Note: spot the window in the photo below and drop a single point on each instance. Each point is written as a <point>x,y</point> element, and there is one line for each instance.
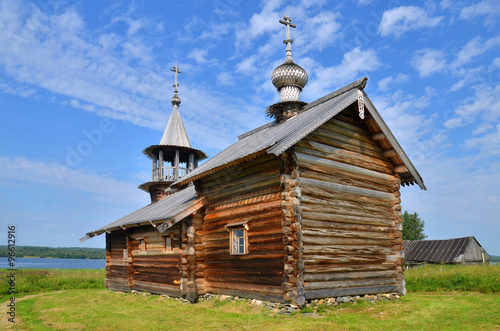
<point>125,255</point>
<point>238,241</point>
<point>142,245</point>
<point>168,243</point>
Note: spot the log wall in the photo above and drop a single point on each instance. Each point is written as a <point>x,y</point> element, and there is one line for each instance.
<point>155,269</point>
<point>116,266</point>
<point>351,213</point>
<point>244,193</point>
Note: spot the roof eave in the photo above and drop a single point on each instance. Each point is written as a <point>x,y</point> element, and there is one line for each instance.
<point>397,147</point>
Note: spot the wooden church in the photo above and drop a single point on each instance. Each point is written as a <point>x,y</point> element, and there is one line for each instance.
<point>304,207</point>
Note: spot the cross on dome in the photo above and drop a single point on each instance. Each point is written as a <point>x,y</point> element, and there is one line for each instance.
<point>175,99</point>
<point>288,22</point>
<point>177,71</point>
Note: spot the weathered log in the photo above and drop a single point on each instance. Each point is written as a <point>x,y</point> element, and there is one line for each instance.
<point>255,288</point>
<point>336,276</point>
<point>325,194</point>
<point>312,259</point>
<point>306,215</point>
<point>315,294</point>
<point>340,155</point>
<point>331,233</point>
<point>248,209</point>
<point>348,250</point>
<point>347,207</point>
<point>314,240</point>
<point>314,183</point>
<point>340,268</point>
<point>245,279</point>
<point>349,284</point>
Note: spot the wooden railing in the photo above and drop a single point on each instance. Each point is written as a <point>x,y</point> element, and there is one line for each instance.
<point>168,174</point>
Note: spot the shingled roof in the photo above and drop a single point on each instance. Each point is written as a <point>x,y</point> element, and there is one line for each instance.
<point>275,138</point>
<point>175,133</point>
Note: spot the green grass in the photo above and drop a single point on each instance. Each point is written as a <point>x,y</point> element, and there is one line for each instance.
<point>479,278</point>
<point>30,281</point>
<point>105,310</point>
<point>440,298</point>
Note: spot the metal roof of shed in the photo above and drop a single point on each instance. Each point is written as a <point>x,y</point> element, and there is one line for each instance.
<point>437,251</point>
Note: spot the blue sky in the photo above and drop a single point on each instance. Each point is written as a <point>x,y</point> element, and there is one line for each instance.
<point>85,86</point>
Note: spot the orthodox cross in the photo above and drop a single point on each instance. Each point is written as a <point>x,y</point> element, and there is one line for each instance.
<point>177,71</point>
<point>288,22</point>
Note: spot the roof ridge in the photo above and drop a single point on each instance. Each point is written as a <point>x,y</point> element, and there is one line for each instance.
<point>359,84</point>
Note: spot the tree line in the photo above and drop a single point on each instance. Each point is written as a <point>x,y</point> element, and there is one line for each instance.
<point>56,252</point>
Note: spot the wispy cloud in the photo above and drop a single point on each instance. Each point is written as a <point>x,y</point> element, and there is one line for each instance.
<point>486,8</point>
<point>399,20</point>
<point>484,104</point>
<point>355,63</point>
<point>54,175</point>
<point>389,81</point>
<point>429,61</point>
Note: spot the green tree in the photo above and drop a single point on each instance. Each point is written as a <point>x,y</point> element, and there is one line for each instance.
<point>413,227</point>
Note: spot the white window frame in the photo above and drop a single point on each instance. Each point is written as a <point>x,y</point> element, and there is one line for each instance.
<point>232,228</point>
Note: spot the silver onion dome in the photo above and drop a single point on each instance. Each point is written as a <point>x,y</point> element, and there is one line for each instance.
<point>289,74</point>
<point>289,78</point>
<point>175,100</point>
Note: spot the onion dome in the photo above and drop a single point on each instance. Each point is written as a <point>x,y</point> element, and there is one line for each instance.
<point>289,78</point>
<point>175,100</point>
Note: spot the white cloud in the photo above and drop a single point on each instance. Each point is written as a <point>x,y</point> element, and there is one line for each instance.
<point>487,8</point>
<point>260,23</point>
<point>22,91</point>
<point>416,132</point>
<point>52,51</point>
<point>355,64</point>
<point>488,144</point>
<point>484,104</point>
<point>199,55</point>
<point>467,77</point>
<point>364,2</point>
<point>429,61</point>
<point>473,49</point>
<point>385,83</point>
<point>58,176</point>
<point>224,79</point>
<point>405,18</point>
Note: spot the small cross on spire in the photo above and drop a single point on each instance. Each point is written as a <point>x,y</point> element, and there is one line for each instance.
<point>177,71</point>
<point>288,22</point>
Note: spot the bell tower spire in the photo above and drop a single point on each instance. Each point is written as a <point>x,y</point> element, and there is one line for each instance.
<point>174,149</point>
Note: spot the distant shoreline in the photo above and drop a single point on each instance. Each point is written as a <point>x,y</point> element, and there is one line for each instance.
<point>43,252</point>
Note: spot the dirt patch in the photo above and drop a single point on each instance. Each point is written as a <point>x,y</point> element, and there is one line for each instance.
<point>4,309</point>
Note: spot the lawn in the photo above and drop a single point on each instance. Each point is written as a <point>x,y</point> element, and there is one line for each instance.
<point>439,298</point>
<point>105,310</point>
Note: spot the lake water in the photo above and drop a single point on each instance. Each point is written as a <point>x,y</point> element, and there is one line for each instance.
<point>38,263</point>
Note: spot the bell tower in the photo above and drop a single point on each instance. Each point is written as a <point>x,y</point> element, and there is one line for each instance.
<point>174,157</point>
